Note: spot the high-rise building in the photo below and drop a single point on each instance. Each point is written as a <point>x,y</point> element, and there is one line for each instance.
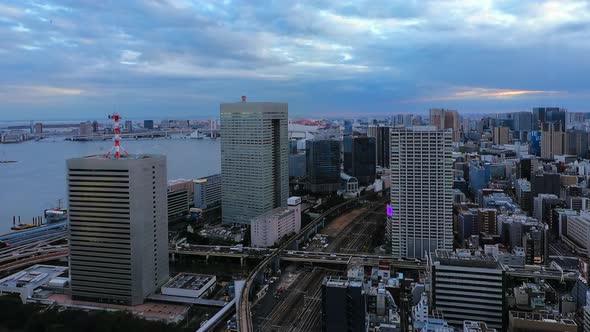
<point>85,128</point>
<point>344,305</point>
<point>359,158</point>
<point>446,119</point>
<point>38,128</point>
<point>576,143</point>
<point>552,140</point>
<point>148,124</point>
<point>501,135</point>
<point>421,191</point>
<point>118,227</point>
<point>542,115</point>
<point>382,140</point>
<point>254,159</point>
<point>347,127</point>
<point>467,285</point>
<point>323,165</point>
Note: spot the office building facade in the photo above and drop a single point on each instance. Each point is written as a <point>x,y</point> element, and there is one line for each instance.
<point>359,158</point>
<point>382,140</point>
<point>118,227</point>
<point>323,165</point>
<point>421,191</point>
<point>467,285</point>
<point>207,191</point>
<point>344,305</point>
<point>552,140</point>
<point>254,159</point>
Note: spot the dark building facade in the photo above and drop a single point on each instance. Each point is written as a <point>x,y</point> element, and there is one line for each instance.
<point>545,183</point>
<point>323,165</point>
<point>359,158</point>
<point>543,115</point>
<point>576,143</point>
<point>148,124</point>
<point>344,305</point>
<point>382,141</point>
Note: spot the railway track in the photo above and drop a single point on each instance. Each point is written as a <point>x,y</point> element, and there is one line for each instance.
<point>296,311</point>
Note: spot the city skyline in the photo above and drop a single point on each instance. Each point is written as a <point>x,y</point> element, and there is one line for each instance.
<point>181,58</point>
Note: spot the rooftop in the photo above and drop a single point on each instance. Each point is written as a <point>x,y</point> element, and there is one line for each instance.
<point>189,281</point>
<point>465,257</point>
<point>124,156</point>
<point>33,276</point>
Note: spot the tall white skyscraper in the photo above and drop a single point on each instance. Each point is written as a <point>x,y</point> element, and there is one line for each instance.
<point>254,159</point>
<point>118,227</point>
<point>421,217</point>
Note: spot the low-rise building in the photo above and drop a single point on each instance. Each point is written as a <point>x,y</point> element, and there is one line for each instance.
<point>189,285</point>
<point>269,228</point>
<point>26,281</point>
<point>524,321</point>
<point>208,191</point>
<point>180,199</point>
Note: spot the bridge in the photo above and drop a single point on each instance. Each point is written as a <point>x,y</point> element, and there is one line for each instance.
<point>33,246</point>
<point>295,256</point>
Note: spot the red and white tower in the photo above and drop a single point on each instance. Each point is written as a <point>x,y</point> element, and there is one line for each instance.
<point>117,138</point>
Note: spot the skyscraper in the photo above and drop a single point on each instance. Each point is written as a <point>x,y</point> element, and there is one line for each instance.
<point>542,115</point>
<point>323,165</point>
<point>421,191</point>
<point>118,227</point>
<point>552,140</point>
<point>446,119</point>
<point>359,158</point>
<point>382,140</point>
<point>254,159</point>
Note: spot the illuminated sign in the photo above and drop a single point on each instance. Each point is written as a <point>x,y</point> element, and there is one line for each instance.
<point>389,211</point>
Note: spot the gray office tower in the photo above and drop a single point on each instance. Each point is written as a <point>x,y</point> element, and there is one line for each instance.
<point>323,165</point>
<point>254,159</point>
<point>382,141</point>
<point>118,227</point>
<point>421,218</point>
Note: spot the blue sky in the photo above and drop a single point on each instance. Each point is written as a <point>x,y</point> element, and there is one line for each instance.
<point>181,58</point>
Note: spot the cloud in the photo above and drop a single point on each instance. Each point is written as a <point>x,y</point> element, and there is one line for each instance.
<point>474,93</point>
<point>321,56</point>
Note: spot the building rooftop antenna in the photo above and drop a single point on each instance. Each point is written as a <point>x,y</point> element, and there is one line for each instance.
<point>117,138</point>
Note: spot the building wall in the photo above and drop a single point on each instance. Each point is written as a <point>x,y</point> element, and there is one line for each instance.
<point>382,144</point>
<point>323,165</point>
<point>118,228</point>
<point>267,229</point>
<point>468,293</point>
<point>254,159</point>
<point>421,191</point>
<point>207,191</point>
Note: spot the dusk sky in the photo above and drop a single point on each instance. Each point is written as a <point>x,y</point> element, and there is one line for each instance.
<point>76,59</point>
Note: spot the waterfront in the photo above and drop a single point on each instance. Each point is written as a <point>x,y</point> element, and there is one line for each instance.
<point>38,179</point>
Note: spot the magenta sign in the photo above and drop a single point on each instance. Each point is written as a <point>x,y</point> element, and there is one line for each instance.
<point>389,211</point>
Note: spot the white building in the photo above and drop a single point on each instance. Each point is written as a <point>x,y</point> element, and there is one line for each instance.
<point>268,228</point>
<point>26,281</point>
<point>189,285</point>
<point>421,191</point>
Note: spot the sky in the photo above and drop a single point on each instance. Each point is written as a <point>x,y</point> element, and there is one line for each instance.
<point>77,59</point>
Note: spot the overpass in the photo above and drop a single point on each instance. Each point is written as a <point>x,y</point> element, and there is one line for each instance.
<point>33,246</point>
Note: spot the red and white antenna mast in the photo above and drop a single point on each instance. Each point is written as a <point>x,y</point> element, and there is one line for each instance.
<point>117,138</point>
